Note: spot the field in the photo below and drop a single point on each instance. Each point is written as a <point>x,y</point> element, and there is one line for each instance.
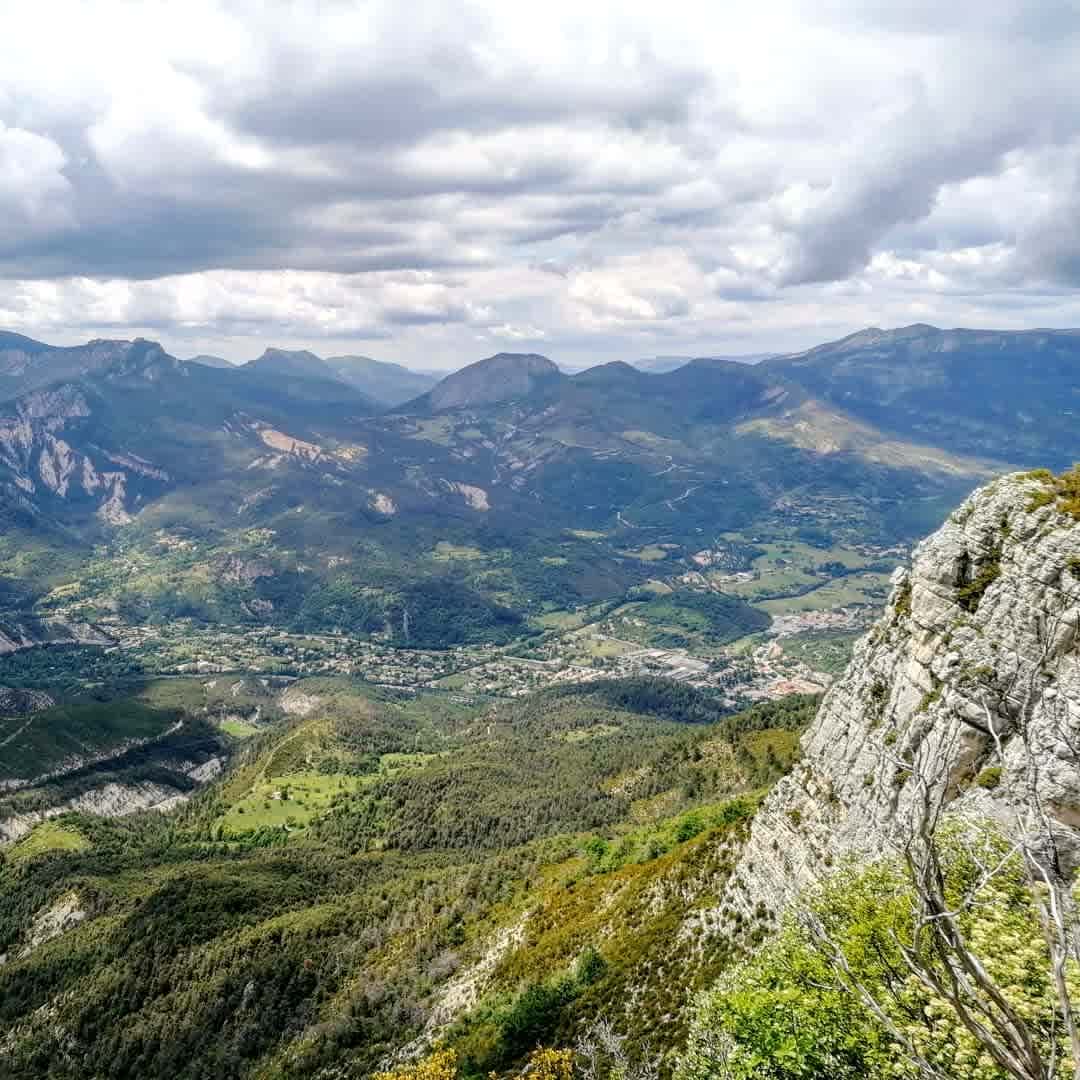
<point>648,553</point>
<point>827,651</point>
<point>860,588</point>
<point>238,729</point>
<point>50,837</point>
<point>290,801</point>
<point>447,552</point>
<point>786,567</point>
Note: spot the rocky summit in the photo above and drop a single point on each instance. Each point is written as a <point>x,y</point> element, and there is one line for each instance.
<point>498,378</point>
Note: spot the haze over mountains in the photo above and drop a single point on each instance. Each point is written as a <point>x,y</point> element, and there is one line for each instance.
<point>905,398</point>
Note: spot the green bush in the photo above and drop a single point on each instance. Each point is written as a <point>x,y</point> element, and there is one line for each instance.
<point>784,1014</point>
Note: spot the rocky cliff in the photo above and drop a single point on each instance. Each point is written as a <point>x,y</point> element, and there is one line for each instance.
<point>47,452</point>
<point>981,635</point>
<point>28,632</point>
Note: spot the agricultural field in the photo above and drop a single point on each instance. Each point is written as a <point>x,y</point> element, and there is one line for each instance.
<point>827,651</point>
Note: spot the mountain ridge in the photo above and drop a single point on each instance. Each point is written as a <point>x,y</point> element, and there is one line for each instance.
<point>1013,395</point>
<point>575,487</point>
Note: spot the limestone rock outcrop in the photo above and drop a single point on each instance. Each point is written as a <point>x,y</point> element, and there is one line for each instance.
<point>980,636</point>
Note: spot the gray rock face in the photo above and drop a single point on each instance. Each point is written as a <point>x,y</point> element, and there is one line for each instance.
<point>982,634</point>
<point>109,800</point>
<point>40,461</point>
<point>29,633</point>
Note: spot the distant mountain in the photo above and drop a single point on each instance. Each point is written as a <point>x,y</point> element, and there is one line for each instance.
<point>133,423</point>
<point>277,492</point>
<point>615,373</point>
<point>26,364</point>
<point>1013,395</point>
<point>389,384</point>
<point>211,361</point>
<point>499,378</point>
<point>12,343</point>
<point>658,365</point>
<point>298,363</point>
<point>386,385</point>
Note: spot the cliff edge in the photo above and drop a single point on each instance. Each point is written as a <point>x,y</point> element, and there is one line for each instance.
<point>981,637</point>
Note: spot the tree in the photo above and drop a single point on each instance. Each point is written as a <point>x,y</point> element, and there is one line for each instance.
<point>602,1053</point>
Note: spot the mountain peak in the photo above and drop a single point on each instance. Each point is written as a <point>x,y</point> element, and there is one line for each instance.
<point>275,356</point>
<point>10,340</point>
<point>211,361</point>
<point>295,363</point>
<point>527,359</point>
<point>616,371</point>
<point>496,378</point>
<point>141,356</point>
<point>875,335</point>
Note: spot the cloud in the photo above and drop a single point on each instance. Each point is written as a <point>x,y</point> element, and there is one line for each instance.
<point>33,189</point>
<point>443,175</point>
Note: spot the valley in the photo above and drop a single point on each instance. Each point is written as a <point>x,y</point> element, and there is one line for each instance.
<point>337,732</point>
<point>698,624</point>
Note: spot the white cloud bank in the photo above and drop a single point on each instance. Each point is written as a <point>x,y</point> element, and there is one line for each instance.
<point>432,181</point>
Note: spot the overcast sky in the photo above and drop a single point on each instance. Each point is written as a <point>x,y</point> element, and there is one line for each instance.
<point>433,182</point>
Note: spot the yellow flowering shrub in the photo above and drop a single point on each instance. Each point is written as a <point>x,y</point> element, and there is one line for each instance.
<point>550,1064</point>
<point>545,1063</point>
<point>442,1065</point>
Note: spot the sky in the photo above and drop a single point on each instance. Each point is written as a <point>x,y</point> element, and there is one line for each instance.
<point>430,183</point>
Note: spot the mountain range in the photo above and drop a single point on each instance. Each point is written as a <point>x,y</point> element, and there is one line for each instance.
<point>333,732</point>
<point>571,487</point>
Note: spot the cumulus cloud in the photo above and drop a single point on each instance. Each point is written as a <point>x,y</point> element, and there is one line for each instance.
<point>33,188</point>
<point>444,177</point>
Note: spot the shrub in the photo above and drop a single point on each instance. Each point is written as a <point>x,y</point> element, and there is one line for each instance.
<point>441,1065</point>
<point>783,1014</point>
<point>532,1015</point>
<point>902,604</point>
<point>549,1064</point>
<point>1064,490</point>
<point>971,593</point>
<point>590,967</point>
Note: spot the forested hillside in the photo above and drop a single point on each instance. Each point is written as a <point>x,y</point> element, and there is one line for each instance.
<point>376,871</point>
